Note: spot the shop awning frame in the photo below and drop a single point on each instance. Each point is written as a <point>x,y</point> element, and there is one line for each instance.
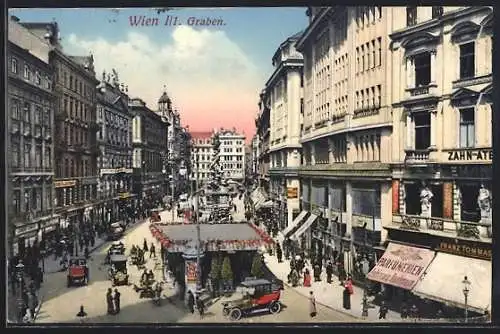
<point>294,223</point>
<point>443,281</point>
<point>301,230</point>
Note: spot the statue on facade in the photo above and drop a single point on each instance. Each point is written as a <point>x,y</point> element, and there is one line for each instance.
<point>426,196</point>
<point>484,202</point>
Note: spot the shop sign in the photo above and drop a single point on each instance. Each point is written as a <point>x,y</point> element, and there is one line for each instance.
<point>190,272</point>
<point>124,170</point>
<point>26,229</point>
<point>471,155</point>
<point>89,180</point>
<point>108,171</point>
<point>292,192</point>
<point>465,250</point>
<point>65,184</point>
<point>124,195</point>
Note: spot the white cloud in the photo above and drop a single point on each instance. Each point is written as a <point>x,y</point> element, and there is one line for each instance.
<point>204,71</point>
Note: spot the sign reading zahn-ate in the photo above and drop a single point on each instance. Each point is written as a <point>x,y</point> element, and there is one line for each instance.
<point>401,266</point>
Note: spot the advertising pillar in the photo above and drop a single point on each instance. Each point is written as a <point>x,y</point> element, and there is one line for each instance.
<point>190,271</point>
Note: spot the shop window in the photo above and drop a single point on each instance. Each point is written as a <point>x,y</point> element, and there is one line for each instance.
<point>469,210</point>
<point>366,201</point>
<point>412,199</point>
<point>411,16</point>
<point>467,128</point>
<point>467,63</point>
<point>422,123</point>
<point>437,201</point>
<point>422,69</point>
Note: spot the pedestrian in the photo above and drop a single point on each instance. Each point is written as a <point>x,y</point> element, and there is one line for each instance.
<point>82,314</point>
<point>382,312</point>
<point>109,301</point>
<point>145,245</point>
<point>317,272</point>
<point>200,306</point>
<point>414,312</point>
<point>329,272</point>
<point>87,252</point>
<point>32,302</point>
<point>404,310</point>
<point>312,305</point>
<point>307,278</point>
<point>116,299</point>
<point>347,295</point>
<point>190,302</point>
<point>279,253</point>
<point>152,251</point>
<point>28,316</point>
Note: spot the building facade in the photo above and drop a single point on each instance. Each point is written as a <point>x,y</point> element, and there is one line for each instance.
<point>202,156</point>
<point>263,131</point>
<point>232,154</point>
<point>255,154</point>
<point>30,124</point>
<point>285,94</point>
<point>149,143</point>
<point>114,137</point>
<point>76,149</point>
<point>442,142</point>
<point>345,174</point>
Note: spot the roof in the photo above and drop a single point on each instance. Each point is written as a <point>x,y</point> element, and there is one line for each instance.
<point>201,135</point>
<point>118,258</point>
<point>210,232</point>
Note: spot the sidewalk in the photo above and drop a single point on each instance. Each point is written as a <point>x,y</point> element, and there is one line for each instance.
<point>329,295</point>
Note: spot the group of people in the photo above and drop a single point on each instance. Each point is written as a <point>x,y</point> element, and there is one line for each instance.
<point>113,301</point>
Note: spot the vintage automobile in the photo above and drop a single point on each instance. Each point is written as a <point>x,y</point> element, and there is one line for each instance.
<point>115,231</point>
<point>145,289</point>
<point>117,248</point>
<point>118,269</point>
<point>78,271</point>
<point>255,295</point>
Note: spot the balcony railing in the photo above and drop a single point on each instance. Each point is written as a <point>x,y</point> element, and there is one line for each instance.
<point>417,155</point>
<point>32,169</point>
<point>443,226</point>
<point>421,91</point>
<point>365,112</point>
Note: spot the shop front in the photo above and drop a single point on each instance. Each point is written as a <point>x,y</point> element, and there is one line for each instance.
<point>24,236</point>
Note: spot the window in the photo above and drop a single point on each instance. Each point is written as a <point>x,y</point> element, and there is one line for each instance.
<point>379,94</point>
<point>437,11</point>
<point>379,42</point>
<point>362,58</point>
<point>27,155</point>
<point>71,82</point>
<point>27,112</point>
<point>15,110</point>
<point>47,160</point>
<point>27,73</point>
<point>411,16</point>
<point>379,11</point>
<point>467,133</point>
<point>422,130</point>
<point>13,65</point>
<point>38,78</point>
<point>16,201</point>
<point>38,115</point>
<point>374,52</point>
<point>46,118</point>
<point>38,156</point>
<point>14,149</point>
<point>467,60</point>
<point>422,69</point>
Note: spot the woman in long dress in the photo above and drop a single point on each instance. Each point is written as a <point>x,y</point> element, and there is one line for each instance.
<point>312,305</point>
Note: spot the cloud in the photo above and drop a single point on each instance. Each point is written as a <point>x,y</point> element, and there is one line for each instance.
<point>210,79</point>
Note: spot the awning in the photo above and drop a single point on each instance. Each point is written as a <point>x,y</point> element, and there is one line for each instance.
<point>401,266</point>
<point>443,281</point>
<point>294,224</point>
<point>304,227</point>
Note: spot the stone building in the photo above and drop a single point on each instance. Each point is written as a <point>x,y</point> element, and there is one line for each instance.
<point>115,187</point>
<point>442,146</point>
<point>346,134</point>
<point>30,135</point>
<point>262,124</point>
<point>232,154</point>
<point>202,156</point>
<point>149,142</point>
<point>285,95</point>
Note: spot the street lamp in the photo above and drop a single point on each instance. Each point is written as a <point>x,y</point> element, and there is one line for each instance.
<point>20,299</point>
<point>466,291</point>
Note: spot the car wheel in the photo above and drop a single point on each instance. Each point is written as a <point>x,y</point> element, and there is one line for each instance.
<point>235,314</point>
<point>225,311</point>
<point>275,307</point>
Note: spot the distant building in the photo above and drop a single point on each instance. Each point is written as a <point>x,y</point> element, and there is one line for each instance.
<point>232,154</point>
<point>201,156</point>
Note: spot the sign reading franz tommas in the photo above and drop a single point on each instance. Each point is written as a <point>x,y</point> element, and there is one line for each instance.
<point>471,155</point>
<point>465,250</point>
<point>401,266</point>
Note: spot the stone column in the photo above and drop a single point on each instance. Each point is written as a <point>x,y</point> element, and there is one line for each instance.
<point>409,131</point>
<point>331,157</point>
<point>433,66</point>
<point>410,73</point>
<point>313,154</point>
<point>348,261</point>
<point>376,147</point>
<point>433,128</point>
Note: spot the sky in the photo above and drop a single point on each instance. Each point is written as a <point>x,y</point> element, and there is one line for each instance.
<point>213,74</point>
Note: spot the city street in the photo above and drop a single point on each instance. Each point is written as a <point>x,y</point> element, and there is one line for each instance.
<point>61,304</point>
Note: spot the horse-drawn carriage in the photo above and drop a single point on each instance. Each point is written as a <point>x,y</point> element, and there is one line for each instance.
<point>118,269</point>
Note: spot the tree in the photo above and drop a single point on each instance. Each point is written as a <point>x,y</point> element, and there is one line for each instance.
<point>226,272</point>
<point>215,270</point>
<point>257,267</point>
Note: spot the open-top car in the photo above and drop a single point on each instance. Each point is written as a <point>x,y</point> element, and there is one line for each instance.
<point>255,295</point>
<point>117,248</point>
<point>78,271</point>
<point>118,269</point>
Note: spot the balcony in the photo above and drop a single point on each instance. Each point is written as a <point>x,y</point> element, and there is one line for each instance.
<point>417,156</point>
<point>465,82</point>
<point>421,92</point>
<point>15,126</point>
<point>444,227</point>
<point>365,112</point>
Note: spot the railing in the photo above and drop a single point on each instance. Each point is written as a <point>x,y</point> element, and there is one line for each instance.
<point>337,118</point>
<point>417,155</point>
<point>365,112</point>
<point>32,169</point>
<point>461,229</point>
<point>429,89</point>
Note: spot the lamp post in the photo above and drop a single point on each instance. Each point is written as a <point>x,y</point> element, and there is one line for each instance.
<point>466,291</point>
<point>198,229</point>
<point>20,298</point>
